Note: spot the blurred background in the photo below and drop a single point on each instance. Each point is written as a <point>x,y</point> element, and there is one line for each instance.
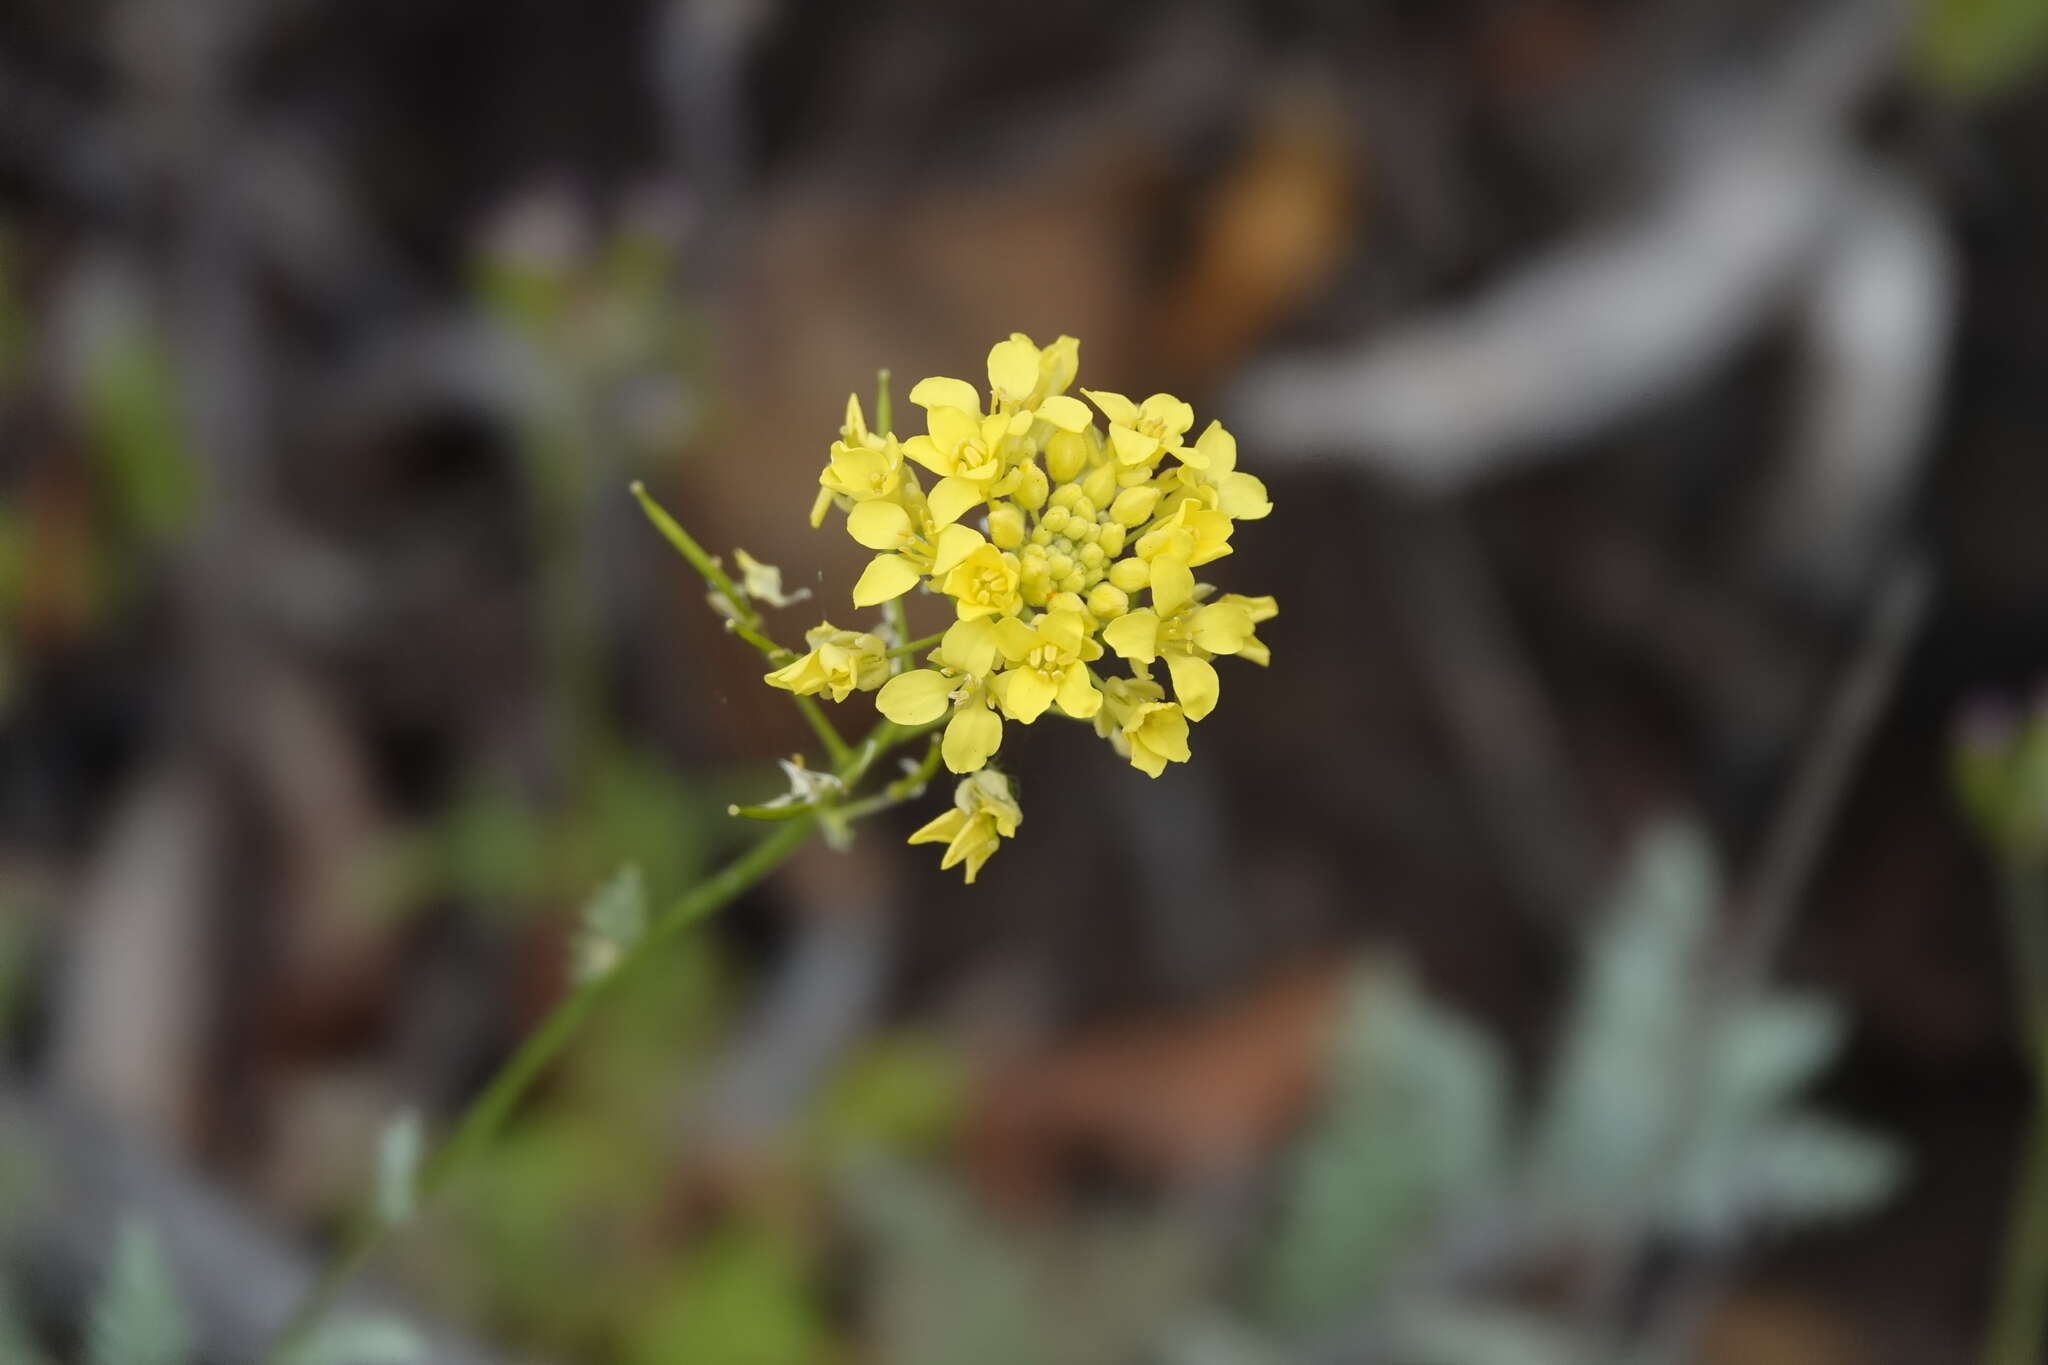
<point>1573,948</point>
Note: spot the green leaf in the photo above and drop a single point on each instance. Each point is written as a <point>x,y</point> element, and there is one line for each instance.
<point>1797,1169</point>
<point>745,1298</point>
<point>896,1093</point>
<point>136,1319</point>
<point>1415,1121</point>
<point>360,1340</point>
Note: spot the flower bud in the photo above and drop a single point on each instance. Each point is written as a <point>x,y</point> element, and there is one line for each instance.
<point>1133,506</point>
<point>1108,601</point>
<point>1031,486</point>
<point>1130,574</point>
<point>1066,455</point>
<point>1006,525</point>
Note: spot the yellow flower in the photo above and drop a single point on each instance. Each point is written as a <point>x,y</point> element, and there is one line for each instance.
<point>1033,378</point>
<point>965,658</point>
<point>1141,432</point>
<point>1190,536</point>
<point>1047,664</point>
<point>1210,467</point>
<point>1259,609</point>
<point>863,465</point>
<point>1187,639</point>
<point>984,582</point>
<point>1141,725</point>
<point>911,547</point>
<point>985,812</point>
<point>839,662</point>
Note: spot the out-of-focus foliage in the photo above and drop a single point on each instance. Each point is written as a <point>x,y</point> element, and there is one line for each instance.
<point>1999,765</point>
<point>1982,47</point>
<point>1414,1124</point>
<point>16,1342</point>
<point>900,1092</point>
<point>1672,1104</point>
<point>950,1283</point>
<point>744,1295</point>
<point>137,1318</point>
<point>359,1340</point>
<point>399,1149</point>
<point>613,922</point>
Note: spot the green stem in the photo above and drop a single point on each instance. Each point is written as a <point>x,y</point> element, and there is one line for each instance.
<point>823,728</point>
<point>2021,1313</point>
<point>485,1115</point>
<point>2019,1319</point>
<point>707,567</point>
<point>740,619</point>
<point>916,646</point>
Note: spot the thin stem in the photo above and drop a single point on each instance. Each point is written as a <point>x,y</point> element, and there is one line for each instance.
<point>707,567</point>
<point>2019,1319</point>
<point>885,418</point>
<point>485,1115</point>
<point>741,619</point>
<point>903,651</point>
<point>827,733</point>
<point>899,630</point>
<point>904,788</point>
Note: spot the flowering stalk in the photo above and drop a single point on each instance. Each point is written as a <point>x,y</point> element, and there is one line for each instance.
<point>1073,523</point>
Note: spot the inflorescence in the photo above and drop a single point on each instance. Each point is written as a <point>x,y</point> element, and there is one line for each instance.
<point>1061,534</point>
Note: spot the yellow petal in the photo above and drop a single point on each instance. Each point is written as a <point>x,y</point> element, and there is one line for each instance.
<point>926,452</point>
<point>886,577</point>
<point>951,428</point>
<point>1221,627</point>
<point>955,543</point>
<point>1173,585</point>
<point>945,393</point>
<point>802,675</point>
<point>1133,447</point>
<point>1077,696</point>
<point>1013,638</point>
<point>1134,635</point>
<point>969,647</point>
<point>1067,413</point>
<point>1013,368</point>
<point>941,828</point>
<point>974,733</point>
<point>1195,685</point>
<point>951,497</point>
<point>915,698</point>
<point>1215,451</point>
<point>1025,695</point>
<point>1115,406</point>
<point>1242,497</point>
<point>878,524</point>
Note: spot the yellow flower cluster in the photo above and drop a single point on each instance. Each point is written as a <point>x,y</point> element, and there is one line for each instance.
<point>1059,530</point>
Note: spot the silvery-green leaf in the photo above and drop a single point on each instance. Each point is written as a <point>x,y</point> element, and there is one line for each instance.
<point>399,1148</point>
<point>1414,1122</point>
<point>136,1318</point>
<point>360,1340</point>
